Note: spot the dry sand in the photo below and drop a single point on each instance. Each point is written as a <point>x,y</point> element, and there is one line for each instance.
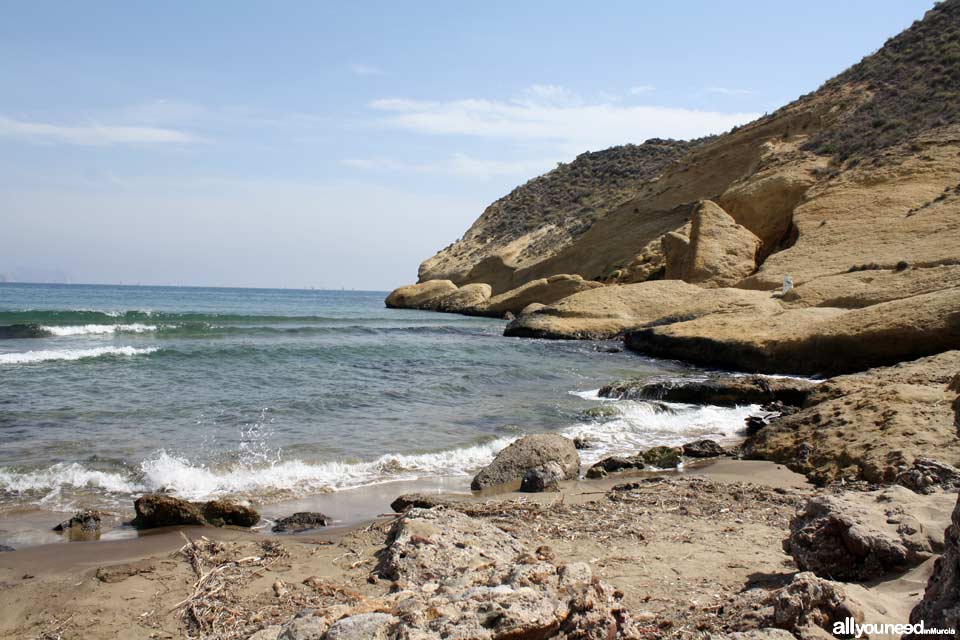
<point>677,545</point>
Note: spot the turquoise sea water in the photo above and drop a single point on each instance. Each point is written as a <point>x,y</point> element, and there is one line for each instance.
<point>107,392</point>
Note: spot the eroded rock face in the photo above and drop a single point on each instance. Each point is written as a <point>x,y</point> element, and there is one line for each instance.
<point>721,252</point>
<point>526,453</point>
<point>940,606</point>
<point>158,510</point>
<point>873,426</point>
<point>840,538</point>
<point>725,391</point>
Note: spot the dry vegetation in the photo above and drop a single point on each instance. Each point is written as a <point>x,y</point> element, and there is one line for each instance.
<point>914,82</point>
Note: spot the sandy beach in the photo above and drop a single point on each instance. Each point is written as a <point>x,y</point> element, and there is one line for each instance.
<point>678,550</point>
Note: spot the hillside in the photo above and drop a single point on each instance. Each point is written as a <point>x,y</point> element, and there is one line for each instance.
<point>550,211</point>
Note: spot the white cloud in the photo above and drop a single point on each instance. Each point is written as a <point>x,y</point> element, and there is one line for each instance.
<point>92,134</point>
<point>573,125</point>
<point>641,88</point>
<point>728,91</point>
<point>365,70</point>
<point>458,164</point>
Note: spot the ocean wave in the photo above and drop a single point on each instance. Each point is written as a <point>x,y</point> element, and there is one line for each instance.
<point>30,357</point>
<point>96,329</point>
<point>175,474</point>
<point>63,474</point>
<point>634,425</point>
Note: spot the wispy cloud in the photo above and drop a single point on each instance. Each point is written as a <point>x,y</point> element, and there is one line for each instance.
<point>554,115</point>
<point>728,91</point>
<point>365,70</point>
<point>92,134</point>
<point>640,89</point>
<point>458,164</point>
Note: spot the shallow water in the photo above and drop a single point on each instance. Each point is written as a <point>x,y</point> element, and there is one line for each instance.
<point>107,392</point>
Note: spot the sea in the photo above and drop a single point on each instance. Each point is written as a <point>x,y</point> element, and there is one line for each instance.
<point>275,395</point>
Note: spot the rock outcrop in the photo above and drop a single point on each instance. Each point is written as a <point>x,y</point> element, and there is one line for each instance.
<point>872,426</point>
<point>83,521</point>
<point>940,606</point>
<point>530,452</point>
<point>158,510</point>
<point>609,311</point>
<point>542,291</point>
<point>424,295</point>
<point>845,538</point>
<point>718,253</point>
<point>721,390</point>
<point>465,298</point>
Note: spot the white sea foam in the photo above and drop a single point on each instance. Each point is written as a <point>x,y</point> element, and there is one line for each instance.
<point>97,329</point>
<point>639,425</point>
<point>172,473</point>
<point>166,472</point>
<point>64,474</point>
<point>29,357</point>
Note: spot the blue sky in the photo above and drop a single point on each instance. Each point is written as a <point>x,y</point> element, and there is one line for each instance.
<point>242,144</point>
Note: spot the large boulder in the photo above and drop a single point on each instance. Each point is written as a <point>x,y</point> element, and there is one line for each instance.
<point>158,510</point>
<point>880,426</point>
<point>703,448</point>
<point>527,453</point>
<point>466,298</point>
<point>940,606</point>
<point>862,536</point>
<point>719,390</point>
<point>543,291</point>
<point>423,295</point>
<point>719,253</point>
<point>616,464</point>
<point>606,312</point>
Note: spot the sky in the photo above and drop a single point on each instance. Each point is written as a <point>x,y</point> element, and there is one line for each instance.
<point>333,145</point>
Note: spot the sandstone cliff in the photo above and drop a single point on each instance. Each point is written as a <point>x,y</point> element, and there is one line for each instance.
<point>850,193</point>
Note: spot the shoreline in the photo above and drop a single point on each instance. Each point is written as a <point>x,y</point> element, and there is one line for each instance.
<point>50,557</point>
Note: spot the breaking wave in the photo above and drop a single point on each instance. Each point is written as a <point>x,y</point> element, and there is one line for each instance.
<point>30,357</point>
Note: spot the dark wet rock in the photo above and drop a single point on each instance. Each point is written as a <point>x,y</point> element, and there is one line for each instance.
<point>703,448</point>
<point>940,605</point>
<point>526,453</point>
<point>601,411</point>
<point>419,501</point>
<point>88,520</point>
<point>301,521</point>
<point>662,457</point>
<point>927,475</point>
<point>725,391</point>
<point>848,538</point>
<point>754,424</point>
<point>541,479</point>
<point>120,572</point>
<point>4,548</point>
<point>615,464</point>
<point>583,442</point>
<point>158,510</point>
